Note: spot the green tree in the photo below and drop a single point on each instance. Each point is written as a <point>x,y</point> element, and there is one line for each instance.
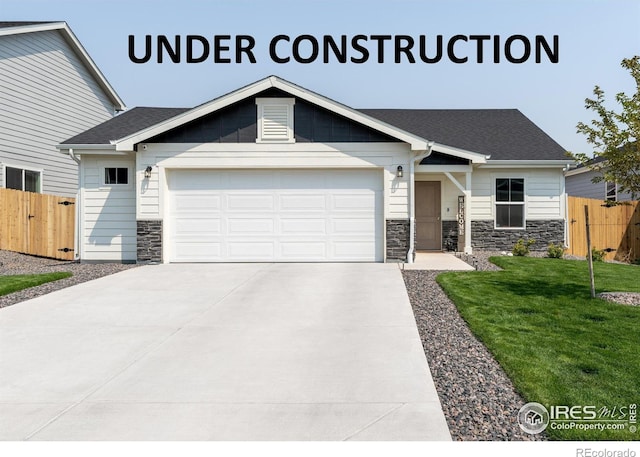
<point>615,135</point>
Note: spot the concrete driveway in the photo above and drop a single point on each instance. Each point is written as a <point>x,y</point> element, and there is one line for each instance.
<point>219,352</point>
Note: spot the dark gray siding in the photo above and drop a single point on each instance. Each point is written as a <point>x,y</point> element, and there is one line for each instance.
<point>438,158</point>
<point>580,185</point>
<point>234,124</point>
<point>237,123</point>
<point>313,124</point>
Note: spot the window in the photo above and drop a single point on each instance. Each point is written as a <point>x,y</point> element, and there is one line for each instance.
<point>611,191</point>
<point>116,176</point>
<point>21,179</point>
<point>509,203</point>
<point>275,120</point>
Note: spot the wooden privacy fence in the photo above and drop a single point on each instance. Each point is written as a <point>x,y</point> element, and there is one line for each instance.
<point>37,224</point>
<point>613,227</point>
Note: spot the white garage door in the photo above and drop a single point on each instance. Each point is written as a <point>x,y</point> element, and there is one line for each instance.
<point>281,216</point>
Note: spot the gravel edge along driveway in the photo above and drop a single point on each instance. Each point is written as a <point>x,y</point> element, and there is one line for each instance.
<point>478,399</point>
<point>12,263</point>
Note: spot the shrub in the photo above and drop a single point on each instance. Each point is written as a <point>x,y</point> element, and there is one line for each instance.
<point>521,248</point>
<point>555,251</point>
<point>597,255</point>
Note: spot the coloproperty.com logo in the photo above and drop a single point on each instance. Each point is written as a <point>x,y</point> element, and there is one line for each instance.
<point>534,418</point>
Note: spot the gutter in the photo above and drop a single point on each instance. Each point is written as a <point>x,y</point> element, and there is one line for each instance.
<point>412,199</point>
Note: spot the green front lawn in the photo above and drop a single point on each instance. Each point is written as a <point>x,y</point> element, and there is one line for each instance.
<point>14,283</point>
<point>557,345</point>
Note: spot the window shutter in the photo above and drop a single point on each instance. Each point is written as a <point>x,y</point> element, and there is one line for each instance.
<point>275,123</point>
<point>275,120</point>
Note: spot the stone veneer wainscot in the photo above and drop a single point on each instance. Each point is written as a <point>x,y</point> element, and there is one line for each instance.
<point>485,237</point>
<point>149,241</point>
<point>397,240</point>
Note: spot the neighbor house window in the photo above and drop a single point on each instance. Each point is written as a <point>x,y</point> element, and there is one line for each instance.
<point>21,179</point>
<point>510,203</point>
<point>611,191</point>
<point>116,175</point>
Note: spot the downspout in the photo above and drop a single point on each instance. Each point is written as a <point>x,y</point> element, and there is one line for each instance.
<point>412,199</point>
<point>76,235</point>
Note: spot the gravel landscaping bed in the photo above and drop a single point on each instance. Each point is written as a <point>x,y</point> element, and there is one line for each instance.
<point>478,399</point>
<point>12,263</point>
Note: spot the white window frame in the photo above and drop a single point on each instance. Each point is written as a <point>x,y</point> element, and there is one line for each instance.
<point>276,101</point>
<point>496,203</point>
<point>40,172</point>
<point>606,191</point>
<point>103,168</point>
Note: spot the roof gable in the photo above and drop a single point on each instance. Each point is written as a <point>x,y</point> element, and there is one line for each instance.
<point>20,27</point>
<point>127,143</point>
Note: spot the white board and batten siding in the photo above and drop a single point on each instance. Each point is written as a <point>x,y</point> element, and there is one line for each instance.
<point>544,192</point>
<point>48,96</point>
<point>108,220</point>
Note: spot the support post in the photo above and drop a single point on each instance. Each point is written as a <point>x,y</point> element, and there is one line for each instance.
<point>589,254</point>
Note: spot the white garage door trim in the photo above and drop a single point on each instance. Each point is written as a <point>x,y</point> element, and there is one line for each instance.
<point>275,215</point>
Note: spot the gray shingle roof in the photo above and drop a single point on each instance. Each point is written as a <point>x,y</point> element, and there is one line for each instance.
<point>125,124</point>
<point>6,24</point>
<point>505,134</point>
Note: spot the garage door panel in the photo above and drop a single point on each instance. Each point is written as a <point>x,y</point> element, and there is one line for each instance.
<point>305,226</point>
<point>209,251</point>
<point>242,180</point>
<point>198,180</point>
<point>203,226</point>
<point>249,225</point>
<point>351,226</point>
<point>251,250</point>
<point>302,250</point>
<point>295,180</point>
<point>188,201</point>
<point>302,202</point>
<point>349,179</point>
<point>354,250</point>
<point>275,215</point>
<point>355,202</point>
<point>252,201</point>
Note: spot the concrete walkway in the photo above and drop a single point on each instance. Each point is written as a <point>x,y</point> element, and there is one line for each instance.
<point>437,261</point>
<point>219,352</point>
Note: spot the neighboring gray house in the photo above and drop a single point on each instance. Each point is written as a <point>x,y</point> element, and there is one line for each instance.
<point>50,89</point>
<point>273,172</point>
<point>579,184</point>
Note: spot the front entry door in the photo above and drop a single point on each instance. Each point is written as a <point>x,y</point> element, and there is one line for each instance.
<point>428,226</point>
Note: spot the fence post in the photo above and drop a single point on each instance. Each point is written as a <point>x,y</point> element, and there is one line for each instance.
<point>589,254</point>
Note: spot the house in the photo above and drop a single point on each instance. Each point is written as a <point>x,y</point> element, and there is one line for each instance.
<point>579,183</point>
<point>50,90</point>
<point>275,172</point>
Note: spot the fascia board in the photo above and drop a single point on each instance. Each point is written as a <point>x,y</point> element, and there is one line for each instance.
<point>127,143</point>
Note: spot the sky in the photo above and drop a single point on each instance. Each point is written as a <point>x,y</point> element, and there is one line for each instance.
<point>594,37</point>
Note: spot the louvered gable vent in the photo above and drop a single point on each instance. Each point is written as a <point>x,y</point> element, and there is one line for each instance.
<point>275,120</point>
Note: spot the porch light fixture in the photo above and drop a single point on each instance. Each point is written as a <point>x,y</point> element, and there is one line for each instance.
<point>399,173</point>
<point>147,171</point>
